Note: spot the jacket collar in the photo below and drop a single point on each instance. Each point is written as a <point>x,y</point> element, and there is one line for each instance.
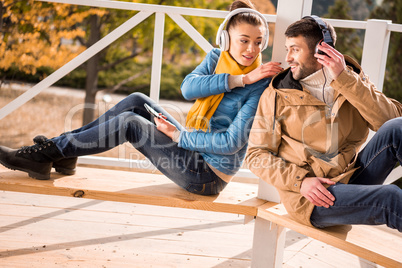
<point>285,78</point>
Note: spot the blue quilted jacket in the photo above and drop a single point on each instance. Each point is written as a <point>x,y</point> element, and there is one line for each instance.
<point>224,147</point>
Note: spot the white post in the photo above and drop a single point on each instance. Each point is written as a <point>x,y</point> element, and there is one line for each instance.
<point>374,58</point>
<point>157,56</point>
<point>307,7</point>
<point>285,16</point>
<point>269,238</point>
<point>272,237</point>
<point>288,11</point>
<point>268,192</point>
<point>375,50</point>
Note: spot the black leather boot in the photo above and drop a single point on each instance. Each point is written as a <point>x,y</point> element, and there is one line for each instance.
<point>36,160</point>
<point>64,166</point>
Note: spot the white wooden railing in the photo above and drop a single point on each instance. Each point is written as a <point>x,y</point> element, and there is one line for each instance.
<point>375,49</point>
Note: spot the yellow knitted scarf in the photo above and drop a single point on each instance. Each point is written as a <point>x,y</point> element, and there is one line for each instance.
<point>201,112</point>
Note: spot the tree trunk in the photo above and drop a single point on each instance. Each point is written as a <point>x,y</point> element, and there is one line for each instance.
<point>91,84</point>
<point>1,17</point>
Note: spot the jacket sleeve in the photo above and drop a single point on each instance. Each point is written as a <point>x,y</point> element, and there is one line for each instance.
<point>264,142</point>
<point>373,105</point>
<point>231,140</point>
<point>202,82</point>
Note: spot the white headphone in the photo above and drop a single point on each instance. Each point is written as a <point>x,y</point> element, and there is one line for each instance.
<point>222,37</point>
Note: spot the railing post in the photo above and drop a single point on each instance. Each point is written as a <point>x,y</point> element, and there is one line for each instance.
<point>269,238</point>
<point>375,50</point>
<point>157,56</point>
<point>284,17</point>
<point>307,7</point>
<point>288,11</point>
<point>374,61</point>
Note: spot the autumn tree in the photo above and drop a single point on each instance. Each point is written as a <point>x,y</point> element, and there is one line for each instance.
<point>33,33</point>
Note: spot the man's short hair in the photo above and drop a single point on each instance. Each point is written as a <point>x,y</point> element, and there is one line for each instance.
<point>310,30</point>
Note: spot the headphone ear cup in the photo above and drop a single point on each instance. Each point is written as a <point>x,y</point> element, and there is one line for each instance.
<point>265,42</point>
<point>319,51</point>
<point>224,41</point>
<point>265,39</point>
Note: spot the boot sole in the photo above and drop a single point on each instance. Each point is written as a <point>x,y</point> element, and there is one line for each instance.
<point>64,171</point>
<point>31,173</point>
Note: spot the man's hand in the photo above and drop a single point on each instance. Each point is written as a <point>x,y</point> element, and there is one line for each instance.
<point>165,126</point>
<point>335,63</point>
<point>268,69</point>
<point>316,193</point>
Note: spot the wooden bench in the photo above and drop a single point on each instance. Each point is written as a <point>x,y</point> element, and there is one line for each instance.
<point>133,187</point>
<point>378,244</point>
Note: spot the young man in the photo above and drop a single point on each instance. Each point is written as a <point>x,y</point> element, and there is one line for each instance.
<point>308,130</point>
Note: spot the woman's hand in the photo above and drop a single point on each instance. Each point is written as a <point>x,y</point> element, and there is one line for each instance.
<point>334,62</point>
<point>268,69</point>
<point>165,126</point>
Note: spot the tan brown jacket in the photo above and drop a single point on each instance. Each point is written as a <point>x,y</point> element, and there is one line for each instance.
<point>295,135</point>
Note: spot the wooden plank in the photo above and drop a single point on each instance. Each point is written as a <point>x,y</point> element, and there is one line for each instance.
<point>132,187</point>
<point>59,205</point>
<point>103,225</point>
<point>378,244</point>
<point>328,257</point>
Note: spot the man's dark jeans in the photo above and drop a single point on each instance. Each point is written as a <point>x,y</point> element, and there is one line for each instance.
<point>365,200</point>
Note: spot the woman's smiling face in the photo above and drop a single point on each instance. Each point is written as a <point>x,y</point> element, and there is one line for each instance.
<point>245,42</point>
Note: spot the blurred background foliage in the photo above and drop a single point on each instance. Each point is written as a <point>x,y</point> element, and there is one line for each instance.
<point>40,37</point>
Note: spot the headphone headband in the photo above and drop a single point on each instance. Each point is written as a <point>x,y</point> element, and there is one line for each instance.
<point>222,35</point>
<point>326,34</point>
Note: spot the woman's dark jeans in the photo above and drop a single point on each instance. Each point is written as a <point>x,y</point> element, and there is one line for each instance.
<point>129,121</point>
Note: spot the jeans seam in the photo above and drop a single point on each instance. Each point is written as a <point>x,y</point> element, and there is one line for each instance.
<point>397,154</point>
<point>203,171</point>
<point>368,205</point>
<point>374,157</point>
<point>194,171</point>
<point>144,130</point>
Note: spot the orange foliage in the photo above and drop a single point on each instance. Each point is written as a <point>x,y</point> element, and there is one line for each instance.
<point>41,34</point>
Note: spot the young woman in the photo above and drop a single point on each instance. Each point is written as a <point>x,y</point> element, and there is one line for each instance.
<point>204,156</point>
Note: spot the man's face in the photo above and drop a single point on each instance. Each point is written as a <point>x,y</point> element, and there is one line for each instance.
<point>299,57</point>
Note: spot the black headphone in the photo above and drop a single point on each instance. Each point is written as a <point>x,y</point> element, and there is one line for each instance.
<point>326,34</point>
